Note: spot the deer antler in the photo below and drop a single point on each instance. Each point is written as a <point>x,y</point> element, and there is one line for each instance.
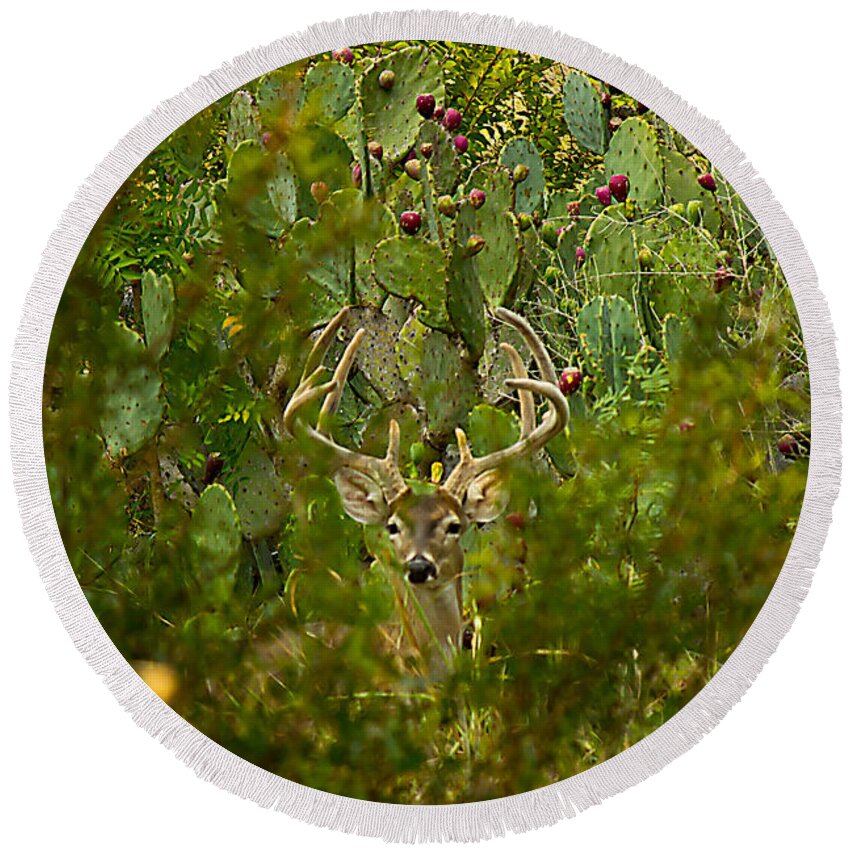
<point>384,470</point>
<point>531,438</point>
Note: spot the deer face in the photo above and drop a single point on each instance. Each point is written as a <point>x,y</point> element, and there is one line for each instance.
<point>424,529</point>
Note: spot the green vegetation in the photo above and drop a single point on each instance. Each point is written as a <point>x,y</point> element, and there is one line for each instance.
<point>633,555</point>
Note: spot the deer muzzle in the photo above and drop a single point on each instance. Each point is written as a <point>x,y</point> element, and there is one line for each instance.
<point>420,570</point>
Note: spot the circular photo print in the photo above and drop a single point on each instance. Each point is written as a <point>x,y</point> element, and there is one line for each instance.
<point>426,422</point>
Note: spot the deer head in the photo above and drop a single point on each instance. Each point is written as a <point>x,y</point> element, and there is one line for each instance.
<point>425,529</point>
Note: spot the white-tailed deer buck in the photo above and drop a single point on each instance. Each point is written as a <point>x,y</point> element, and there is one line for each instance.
<point>425,529</point>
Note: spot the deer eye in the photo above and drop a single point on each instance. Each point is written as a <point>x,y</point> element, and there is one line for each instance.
<point>392,528</point>
<point>453,528</point>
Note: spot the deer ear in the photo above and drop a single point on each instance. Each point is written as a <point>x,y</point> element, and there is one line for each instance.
<point>362,496</point>
<point>486,497</point>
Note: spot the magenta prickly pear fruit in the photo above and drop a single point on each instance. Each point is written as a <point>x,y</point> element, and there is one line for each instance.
<point>413,169</point>
<point>723,278</point>
<point>788,445</point>
<point>477,198</point>
<point>603,195</point>
<point>474,245</point>
<point>520,173</point>
<point>619,186</point>
<point>614,124</point>
<point>426,149</point>
<point>452,119</point>
<point>581,256</point>
<point>707,181</point>
<point>439,112</point>
<point>376,149</point>
<point>320,191</point>
<point>410,221</point>
<point>605,97</point>
<point>516,519</point>
<point>570,380</point>
<point>425,105</point>
<point>344,55</point>
<point>446,206</point>
<point>462,143</point>
<point>574,209</point>
<point>357,175</point>
<point>525,221</point>
<point>386,79</point>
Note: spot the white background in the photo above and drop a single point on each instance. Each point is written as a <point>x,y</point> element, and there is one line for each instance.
<point>77,77</point>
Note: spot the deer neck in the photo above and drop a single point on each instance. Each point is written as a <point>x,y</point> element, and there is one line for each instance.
<point>433,620</point>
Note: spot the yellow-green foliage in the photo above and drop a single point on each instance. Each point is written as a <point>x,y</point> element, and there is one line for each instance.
<point>633,555</point>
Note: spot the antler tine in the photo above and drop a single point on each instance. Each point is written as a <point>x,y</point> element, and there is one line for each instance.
<point>531,439</point>
<point>526,399</point>
<point>331,402</point>
<point>323,343</point>
<point>538,350</point>
<point>384,470</point>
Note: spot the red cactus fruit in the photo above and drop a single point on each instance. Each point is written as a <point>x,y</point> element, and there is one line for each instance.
<point>376,149</point>
<point>619,186</point>
<point>603,195</point>
<point>581,256</point>
<point>452,119</point>
<point>477,197</point>
<point>320,191</point>
<point>344,55</point>
<point>425,105</point>
<point>462,143</point>
<point>707,181</point>
<point>570,380</point>
<point>410,221</point>
<point>357,175</point>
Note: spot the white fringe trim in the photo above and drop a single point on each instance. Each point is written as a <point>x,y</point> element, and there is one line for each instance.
<point>471,821</point>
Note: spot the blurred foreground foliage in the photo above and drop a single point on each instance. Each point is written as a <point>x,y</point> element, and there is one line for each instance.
<point>632,558</point>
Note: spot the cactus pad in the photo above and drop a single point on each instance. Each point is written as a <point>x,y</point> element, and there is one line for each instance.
<point>132,406</point>
<point>610,253</point>
<point>529,194</point>
<point>258,493</point>
<point>243,120</point>
<point>157,312</point>
<point>634,152</point>
<point>584,113</point>
<point>390,117</point>
<point>465,302</point>
<point>412,268</point>
<point>609,339</point>
<point>497,263</point>
<point>215,532</point>
<point>438,374</point>
<point>327,94</point>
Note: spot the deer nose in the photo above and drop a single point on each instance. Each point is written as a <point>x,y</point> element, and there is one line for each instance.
<point>420,570</point>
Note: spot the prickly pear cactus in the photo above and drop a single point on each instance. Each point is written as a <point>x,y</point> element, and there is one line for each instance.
<point>131,391</point>
<point>390,116</point>
<point>243,120</point>
<point>215,533</point>
<point>584,113</point>
<point>157,312</point>
<point>438,374</point>
<point>273,210</point>
<point>376,357</point>
<point>327,94</point>
<point>465,301</point>
<point>413,268</point>
<point>258,493</point>
<point>611,253</point>
<point>529,192</point>
<point>680,177</point>
<point>443,165</point>
<point>490,429</point>
<point>674,333</point>
<point>634,152</point>
<point>685,273</point>
<point>493,222</point>
<point>609,339</point>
